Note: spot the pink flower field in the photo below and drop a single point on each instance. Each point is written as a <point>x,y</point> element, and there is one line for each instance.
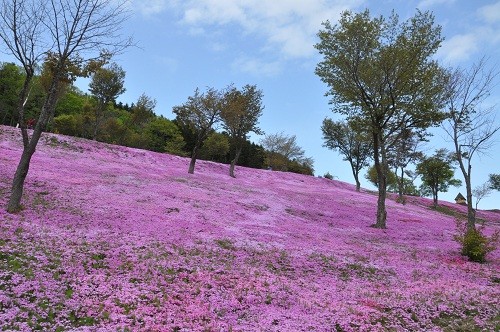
<point>120,239</point>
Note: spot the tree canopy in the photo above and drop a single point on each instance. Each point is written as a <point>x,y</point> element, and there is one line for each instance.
<point>437,174</point>
<point>494,180</point>
<point>470,125</point>
<point>198,115</point>
<point>381,73</point>
<point>355,147</point>
<point>240,116</point>
<point>282,150</point>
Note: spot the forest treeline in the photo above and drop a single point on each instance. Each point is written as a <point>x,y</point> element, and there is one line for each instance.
<point>99,116</point>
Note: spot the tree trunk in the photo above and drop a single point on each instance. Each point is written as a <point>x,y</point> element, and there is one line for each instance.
<point>23,98</point>
<point>194,156</point>
<point>382,183</point>
<point>234,161</point>
<point>14,204</point>
<point>356,178</point>
<point>401,185</point>
<point>435,196</point>
<point>471,213</point>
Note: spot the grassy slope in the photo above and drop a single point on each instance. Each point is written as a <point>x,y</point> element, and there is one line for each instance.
<point>115,238</point>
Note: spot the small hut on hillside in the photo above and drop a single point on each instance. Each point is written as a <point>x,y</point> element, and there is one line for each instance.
<point>460,199</point>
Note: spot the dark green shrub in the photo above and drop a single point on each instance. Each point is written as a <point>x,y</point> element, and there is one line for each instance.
<point>67,124</point>
<point>475,245</point>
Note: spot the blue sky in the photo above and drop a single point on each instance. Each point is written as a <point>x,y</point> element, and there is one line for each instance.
<point>184,44</point>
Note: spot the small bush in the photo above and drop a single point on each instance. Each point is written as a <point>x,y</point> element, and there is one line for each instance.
<point>475,245</point>
<point>328,176</point>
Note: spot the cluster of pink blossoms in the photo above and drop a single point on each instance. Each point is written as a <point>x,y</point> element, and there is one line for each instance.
<point>113,238</point>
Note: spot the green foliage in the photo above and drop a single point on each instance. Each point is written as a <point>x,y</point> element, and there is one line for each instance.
<point>197,117</point>
<point>252,155</point>
<point>328,176</point>
<point>240,116</point>
<point>392,181</point>
<point>68,124</point>
<point>107,83</point>
<point>162,135</point>
<point>475,245</point>
<point>142,112</point>
<point>381,73</point>
<point>304,166</point>
<point>351,143</point>
<point>241,111</point>
<point>437,174</point>
<point>215,148</point>
<point>200,113</point>
<point>71,102</point>
<point>11,80</point>
<point>494,181</point>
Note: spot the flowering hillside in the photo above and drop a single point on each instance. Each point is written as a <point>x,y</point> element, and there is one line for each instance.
<point>120,239</point>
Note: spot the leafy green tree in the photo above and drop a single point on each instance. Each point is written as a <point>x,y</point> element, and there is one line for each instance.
<point>11,81</point>
<point>240,116</point>
<point>303,166</point>
<point>402,153</point>
<point>355,147</point>
<point>162,135</point>
<point>142,112</point>
<point>106,85</point>
<point>198,115</point>
<point>494,181</point>
<point>71,102</point>
<point>391,178</point>
<point>68,124</point>
<point>252,155</point>
<point>215,148</point>
<point>437,174</point>
<point>470,125</point>
<point>382,73</point>
<point>328,176</point>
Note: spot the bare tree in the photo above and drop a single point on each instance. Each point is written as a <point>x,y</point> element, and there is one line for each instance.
<point>281,149</point>
<point>21,29</point>
<point>471,126</point>
<point>481,192</point>
<point>80,33</point>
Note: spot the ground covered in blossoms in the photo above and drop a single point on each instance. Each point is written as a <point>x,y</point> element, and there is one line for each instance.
<point>119,239</point>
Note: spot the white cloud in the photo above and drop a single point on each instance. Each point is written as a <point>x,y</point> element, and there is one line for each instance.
<point>459,48</point>
<point>483,35</point>
<point>147,7</point>
<point>289,25</point>
<point>256,67</point>
<point>490,13</point>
